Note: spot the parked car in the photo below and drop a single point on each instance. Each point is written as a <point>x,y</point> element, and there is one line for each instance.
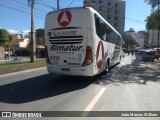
<point>156,56</point>
<point>139,54</point>
<point>148,55</point>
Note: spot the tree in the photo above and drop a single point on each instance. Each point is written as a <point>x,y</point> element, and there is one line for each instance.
<point>153,3</point>
<point>129,41</point>
<point>153,21</point>
<point>4,36</point>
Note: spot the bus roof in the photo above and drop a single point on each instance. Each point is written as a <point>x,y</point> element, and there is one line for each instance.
<point>92,10</point>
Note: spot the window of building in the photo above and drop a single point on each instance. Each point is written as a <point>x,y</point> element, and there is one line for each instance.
<point>115,24</point>
<point>116,5</point>
<point>116,11</point>
<point>109,17</point>
<point>93,1</point>
<point>109,3</point>
<point>115,18</point>
<point>100,1</point>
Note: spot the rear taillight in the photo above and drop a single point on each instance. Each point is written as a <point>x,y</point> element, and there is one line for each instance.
<point>85,7</point>
<point>88,58</point>
<point>46,56</point>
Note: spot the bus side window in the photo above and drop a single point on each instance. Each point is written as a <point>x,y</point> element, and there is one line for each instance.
<point>107,37</point>
<point>97,22</point>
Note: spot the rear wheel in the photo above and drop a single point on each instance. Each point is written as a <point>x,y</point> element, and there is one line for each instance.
<point>107,67</point>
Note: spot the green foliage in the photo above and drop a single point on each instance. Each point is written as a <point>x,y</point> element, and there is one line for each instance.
<point>129,41</point>
<point>153,3</point>
<point>153,21</point>
<point>12,37</point>
<point>4,35</point>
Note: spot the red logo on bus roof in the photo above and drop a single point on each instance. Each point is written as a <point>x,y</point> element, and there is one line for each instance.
<point>64,18</point>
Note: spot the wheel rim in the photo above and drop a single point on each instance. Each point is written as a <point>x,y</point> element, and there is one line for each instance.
<point>107,67</point>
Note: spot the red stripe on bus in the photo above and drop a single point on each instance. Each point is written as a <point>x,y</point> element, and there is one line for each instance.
<point>100,46</point>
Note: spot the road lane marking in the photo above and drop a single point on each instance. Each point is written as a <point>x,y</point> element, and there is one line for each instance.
<point>93,102</point>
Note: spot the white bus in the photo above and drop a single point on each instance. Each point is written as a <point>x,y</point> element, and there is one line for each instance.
<point>80,42</point>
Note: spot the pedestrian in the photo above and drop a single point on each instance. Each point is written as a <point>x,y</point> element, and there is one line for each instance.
<point>6,55</point>
<point>128,52</point>
<point>15,56</point>
<point>132,53</point>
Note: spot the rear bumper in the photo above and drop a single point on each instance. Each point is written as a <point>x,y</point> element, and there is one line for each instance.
<point>72,71</point>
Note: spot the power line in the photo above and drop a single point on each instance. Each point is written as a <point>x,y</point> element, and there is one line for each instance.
<point>45,5</point>
<point>80,1</point>
<point>28,6</point>
<point>19,10</point>
<point>14,4</point>
<point>70,3</point>
<point>134,20</point>
<point>128,18</point>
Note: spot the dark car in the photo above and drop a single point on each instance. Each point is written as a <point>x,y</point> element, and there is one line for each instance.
<point>156,56</point>
<point>148,55</point>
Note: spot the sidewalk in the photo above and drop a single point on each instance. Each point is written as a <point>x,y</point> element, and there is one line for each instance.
<point>146,73</point>
<point>10,66</point>
<point>19,58</point>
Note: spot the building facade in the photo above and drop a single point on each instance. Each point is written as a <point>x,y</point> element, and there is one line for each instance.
<point>111,10</point>
<point>153,37</point>
<point>19,44</point>
<point>40,37</point>
<point>141,37</point>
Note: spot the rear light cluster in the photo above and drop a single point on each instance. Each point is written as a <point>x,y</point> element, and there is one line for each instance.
<point>88,58</point>
<point>85,7</point>
<point>46,56</point>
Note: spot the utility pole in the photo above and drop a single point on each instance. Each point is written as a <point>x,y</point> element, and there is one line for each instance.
<point>33,43</point>
<point>158,29</point>
<point>57,4</point>
<point>8,49</point>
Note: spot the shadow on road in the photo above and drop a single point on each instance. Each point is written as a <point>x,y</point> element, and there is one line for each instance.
<point>41,87</point>
<point>148,71</point>
<point>50,85</point>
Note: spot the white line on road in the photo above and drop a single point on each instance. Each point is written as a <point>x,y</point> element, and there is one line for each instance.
<point>94,101</point>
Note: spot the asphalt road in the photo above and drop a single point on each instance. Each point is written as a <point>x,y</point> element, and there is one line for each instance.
<point>122,89</point>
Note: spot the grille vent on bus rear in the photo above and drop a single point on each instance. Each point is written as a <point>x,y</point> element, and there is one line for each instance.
<point>66,40</point>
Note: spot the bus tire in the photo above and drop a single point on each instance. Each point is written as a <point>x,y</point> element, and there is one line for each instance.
<point>107,68</point>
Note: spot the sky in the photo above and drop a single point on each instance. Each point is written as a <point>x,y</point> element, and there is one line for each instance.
<point>15,14</point>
